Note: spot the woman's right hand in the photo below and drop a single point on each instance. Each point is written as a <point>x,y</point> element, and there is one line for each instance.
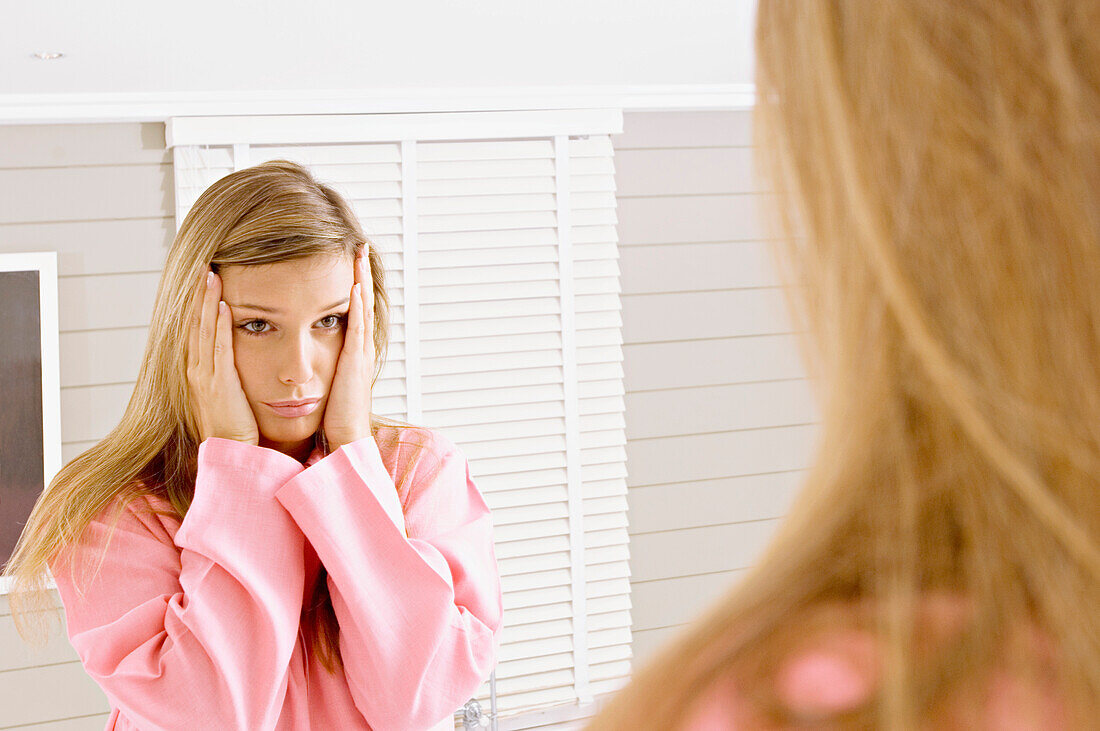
<point>217,398</point>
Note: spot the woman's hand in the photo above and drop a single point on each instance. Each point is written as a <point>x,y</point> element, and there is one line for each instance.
<point>347,413</point>
<point>217,399</point>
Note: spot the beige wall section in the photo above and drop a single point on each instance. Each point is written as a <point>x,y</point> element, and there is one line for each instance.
<point>101,195</point>
<point>719,419</point>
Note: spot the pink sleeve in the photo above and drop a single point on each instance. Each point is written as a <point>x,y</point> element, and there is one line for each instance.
<point>420,616</point>
<point>197,633</point>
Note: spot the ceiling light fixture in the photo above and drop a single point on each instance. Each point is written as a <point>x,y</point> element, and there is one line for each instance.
<point>47,56</point>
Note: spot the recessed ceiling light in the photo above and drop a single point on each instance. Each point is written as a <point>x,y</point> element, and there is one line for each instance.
<point>47,56</point>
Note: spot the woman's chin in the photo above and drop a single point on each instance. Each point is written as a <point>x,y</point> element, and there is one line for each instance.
<point>289,430</point>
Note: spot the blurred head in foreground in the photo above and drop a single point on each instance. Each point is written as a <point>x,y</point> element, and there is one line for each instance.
<point>939,170</point>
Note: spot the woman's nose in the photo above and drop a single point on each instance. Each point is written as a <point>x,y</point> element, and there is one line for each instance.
<point>296,360</point>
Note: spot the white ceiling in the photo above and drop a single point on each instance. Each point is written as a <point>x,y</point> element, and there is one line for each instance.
<point>202,47</point>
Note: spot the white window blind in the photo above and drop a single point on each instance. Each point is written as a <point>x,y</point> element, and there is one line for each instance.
<point>498,233</point>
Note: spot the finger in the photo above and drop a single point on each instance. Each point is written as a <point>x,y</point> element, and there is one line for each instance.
<point>353,337</point>
<point>223,341</point>
<point>368,287</point>
<point>355,323</point>
<point>208,325</point>
<point>194,313</point>
<point>367,293</point>
<point>368,310</point>
<point>368,330</point>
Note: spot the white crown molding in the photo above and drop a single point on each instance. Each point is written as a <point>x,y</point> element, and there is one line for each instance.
<point>161,106</point>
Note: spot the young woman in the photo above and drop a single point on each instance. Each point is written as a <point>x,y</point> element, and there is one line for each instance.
<point>941,568</point>
<point>262,564</point>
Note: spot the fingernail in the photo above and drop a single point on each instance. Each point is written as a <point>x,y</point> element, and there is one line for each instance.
<point>222,306</point>
<point>210,279</point>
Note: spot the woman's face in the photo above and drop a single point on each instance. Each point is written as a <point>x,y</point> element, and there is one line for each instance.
<point>288,328</point>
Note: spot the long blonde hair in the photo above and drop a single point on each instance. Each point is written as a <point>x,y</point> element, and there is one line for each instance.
<point>938,165</point>
<point>264,214</point>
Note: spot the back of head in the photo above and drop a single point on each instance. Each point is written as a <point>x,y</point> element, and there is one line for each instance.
<point>937,164</point>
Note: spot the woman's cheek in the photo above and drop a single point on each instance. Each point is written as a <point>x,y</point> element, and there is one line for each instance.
<point>332,358</point>
<point>247,361</point>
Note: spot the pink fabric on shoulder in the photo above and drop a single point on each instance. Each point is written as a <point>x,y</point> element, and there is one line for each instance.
<point>841,668</point>
<point>832,677</point>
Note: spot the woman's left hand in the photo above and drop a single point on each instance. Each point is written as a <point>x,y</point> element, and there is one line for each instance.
<point>347,413</point>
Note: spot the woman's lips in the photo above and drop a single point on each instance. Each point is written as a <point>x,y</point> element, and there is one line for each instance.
<point>292,411</point>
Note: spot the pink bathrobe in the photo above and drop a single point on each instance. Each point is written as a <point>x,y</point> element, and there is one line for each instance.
<point>196,625</point>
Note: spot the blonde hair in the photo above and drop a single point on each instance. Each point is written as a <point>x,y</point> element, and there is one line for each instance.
<point>938,165</point>
<point>264,214</point>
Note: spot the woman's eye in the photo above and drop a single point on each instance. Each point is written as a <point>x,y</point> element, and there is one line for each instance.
<point>331,322</point>
<point>250,331</point>
<point>338,320</point>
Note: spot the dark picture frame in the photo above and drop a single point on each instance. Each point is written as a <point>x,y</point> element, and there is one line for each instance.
<point>30,390</point>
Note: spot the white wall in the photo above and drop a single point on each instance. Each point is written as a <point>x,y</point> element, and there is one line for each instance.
<point>210,45</point>
<point>719,416</point>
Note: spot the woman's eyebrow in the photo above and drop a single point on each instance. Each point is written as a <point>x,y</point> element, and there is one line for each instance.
<point>276,311</point>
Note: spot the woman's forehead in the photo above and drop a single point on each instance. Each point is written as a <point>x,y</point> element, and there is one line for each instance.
<point>299,285</point>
